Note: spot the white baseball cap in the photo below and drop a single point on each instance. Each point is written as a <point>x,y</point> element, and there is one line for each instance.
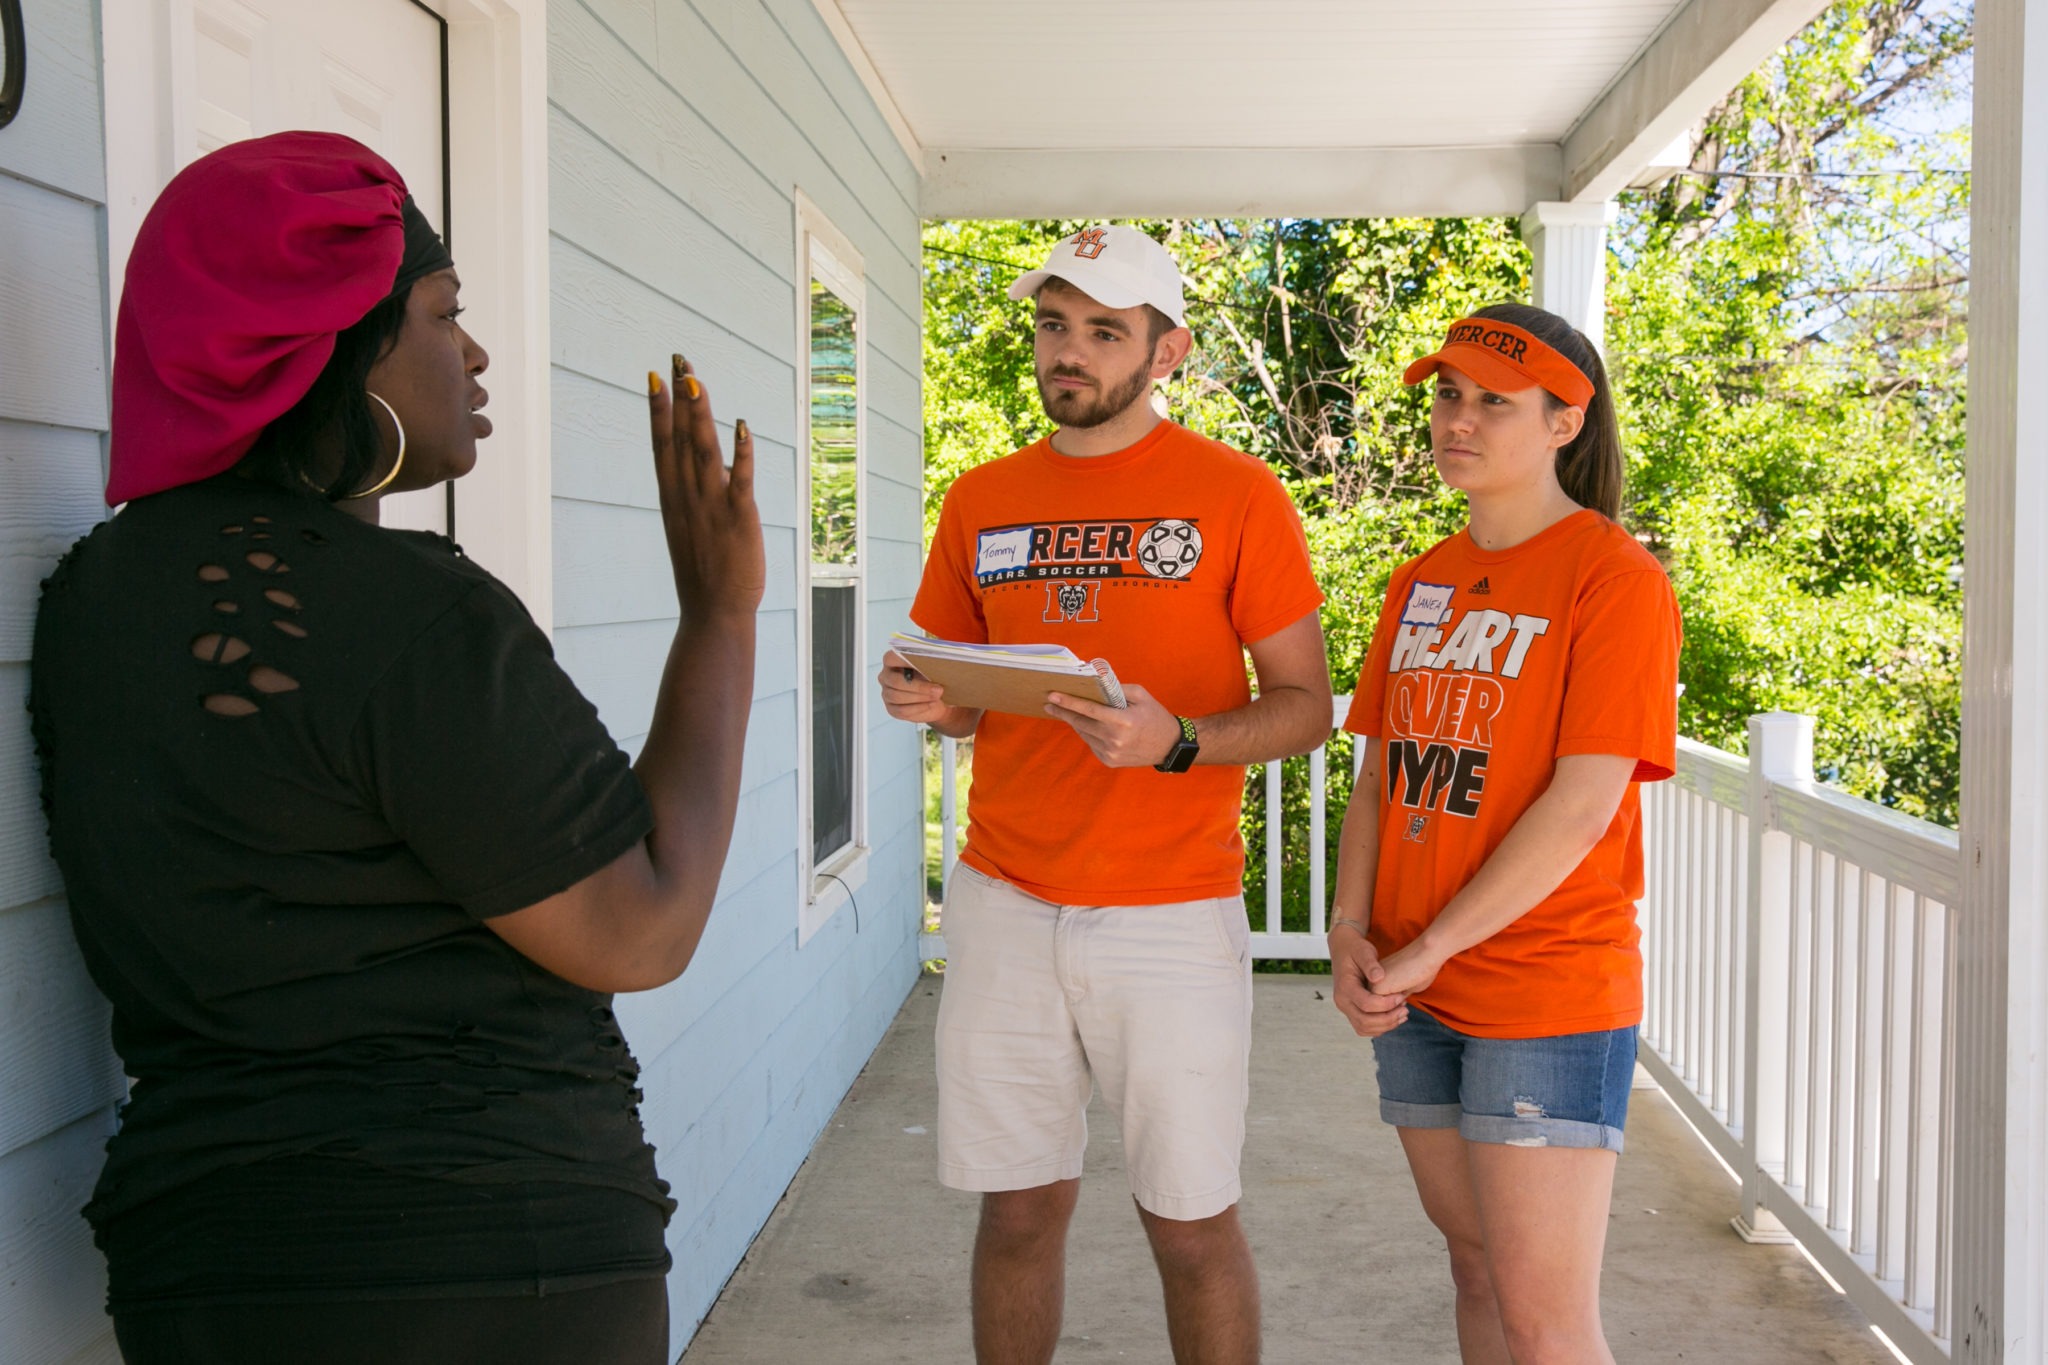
<point>1117,266</point>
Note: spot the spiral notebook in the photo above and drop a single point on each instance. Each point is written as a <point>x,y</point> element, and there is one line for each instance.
<point>1012,678</point>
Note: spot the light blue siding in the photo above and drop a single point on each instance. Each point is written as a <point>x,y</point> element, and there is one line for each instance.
<point>58,1075</point>
<point>678,134</point>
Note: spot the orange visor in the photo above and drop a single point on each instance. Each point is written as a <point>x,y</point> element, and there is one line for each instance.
<point>1505,359</point>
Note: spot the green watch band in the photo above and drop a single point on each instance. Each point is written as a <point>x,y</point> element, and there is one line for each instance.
<point>1181,756</point>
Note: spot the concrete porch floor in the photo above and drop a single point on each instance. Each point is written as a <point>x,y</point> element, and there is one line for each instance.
<point>865,1259</point>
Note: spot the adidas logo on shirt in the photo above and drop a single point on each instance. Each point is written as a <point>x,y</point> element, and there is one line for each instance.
<point>1480,589</point>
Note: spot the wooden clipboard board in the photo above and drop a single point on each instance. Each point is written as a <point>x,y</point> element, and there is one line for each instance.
<point>1013,691</point>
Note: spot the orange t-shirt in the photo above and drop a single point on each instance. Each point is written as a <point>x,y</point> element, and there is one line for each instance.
<point>1166,559</point>
<point>1485,669</point>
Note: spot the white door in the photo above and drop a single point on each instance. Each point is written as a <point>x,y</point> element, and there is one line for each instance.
<point>367,68</point>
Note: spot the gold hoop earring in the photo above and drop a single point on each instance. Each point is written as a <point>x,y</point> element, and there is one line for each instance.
<point>396,465</point>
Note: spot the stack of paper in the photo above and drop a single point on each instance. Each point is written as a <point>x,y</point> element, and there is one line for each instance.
<point>1015,678</point>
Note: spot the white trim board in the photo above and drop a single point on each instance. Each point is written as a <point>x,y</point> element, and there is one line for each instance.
<point>824,252</point>
<point>1701,53</point>
<point>1312,182</point>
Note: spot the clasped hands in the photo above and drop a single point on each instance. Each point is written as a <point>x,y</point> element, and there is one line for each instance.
<point>1370,993</point>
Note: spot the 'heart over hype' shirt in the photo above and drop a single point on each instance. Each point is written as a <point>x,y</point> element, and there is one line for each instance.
<point>1485,669</point>
<point>1165,559</point>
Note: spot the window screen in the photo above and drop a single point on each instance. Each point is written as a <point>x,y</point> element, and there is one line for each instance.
<point>833,665</point>
<point>834,411</point>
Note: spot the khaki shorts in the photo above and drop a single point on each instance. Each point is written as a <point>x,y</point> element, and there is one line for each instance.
<point>1041,1001</point>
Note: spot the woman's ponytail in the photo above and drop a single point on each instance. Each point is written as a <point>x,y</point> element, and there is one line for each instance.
<point>1590,469</point>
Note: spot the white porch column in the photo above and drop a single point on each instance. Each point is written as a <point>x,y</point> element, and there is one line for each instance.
<point>2000,1133</point>
<point>1569,242</point>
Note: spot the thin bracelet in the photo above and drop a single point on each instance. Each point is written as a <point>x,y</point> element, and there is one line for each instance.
<point>1357,924</point>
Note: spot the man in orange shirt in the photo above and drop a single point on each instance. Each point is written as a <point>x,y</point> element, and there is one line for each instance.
<point>1095,924</point>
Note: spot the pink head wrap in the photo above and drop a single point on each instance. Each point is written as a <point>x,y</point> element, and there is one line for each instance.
<point>248,264</point>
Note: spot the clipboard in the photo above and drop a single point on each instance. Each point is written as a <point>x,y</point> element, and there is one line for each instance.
<point>1014,679</point>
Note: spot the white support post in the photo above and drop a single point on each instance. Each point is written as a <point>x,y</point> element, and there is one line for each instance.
<point>949,809</point>
<point>1276,844</point>
<point>1569,243</point>
<point>1780,750</point>
<point>2000,1046</point>
<point>1318,818</point>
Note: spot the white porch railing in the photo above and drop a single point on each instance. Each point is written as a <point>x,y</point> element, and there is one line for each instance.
<point>1796,947</point>
<point>1797,952</point>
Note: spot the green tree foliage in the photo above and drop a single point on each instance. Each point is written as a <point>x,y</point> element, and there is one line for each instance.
<point>1786,325</point>
<point>1301,328</point>
<point>1785,328</point>
<point>980,400</point>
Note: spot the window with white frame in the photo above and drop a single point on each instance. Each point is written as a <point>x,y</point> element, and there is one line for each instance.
<point>832,430</point>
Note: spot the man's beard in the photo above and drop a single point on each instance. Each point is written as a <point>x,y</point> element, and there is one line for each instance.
<point>1072,408</point>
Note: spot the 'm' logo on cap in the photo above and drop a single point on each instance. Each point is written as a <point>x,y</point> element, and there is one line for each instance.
<point>1477,334</point>
<point>1088,244</point>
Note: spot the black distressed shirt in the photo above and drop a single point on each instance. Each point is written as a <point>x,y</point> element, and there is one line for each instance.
<point>292,763</point>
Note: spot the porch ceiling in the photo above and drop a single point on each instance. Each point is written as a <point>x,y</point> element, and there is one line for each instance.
<point>1294,107</point>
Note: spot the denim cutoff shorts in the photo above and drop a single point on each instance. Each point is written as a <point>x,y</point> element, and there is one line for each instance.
<point>1566,1091</point>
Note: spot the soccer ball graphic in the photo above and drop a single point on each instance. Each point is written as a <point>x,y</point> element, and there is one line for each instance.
<point>1170,549</point>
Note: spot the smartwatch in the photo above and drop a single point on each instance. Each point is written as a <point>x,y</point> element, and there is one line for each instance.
<point>1181,756</point>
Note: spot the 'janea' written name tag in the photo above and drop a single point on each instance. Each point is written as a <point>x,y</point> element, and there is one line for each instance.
<point>1429,604</point>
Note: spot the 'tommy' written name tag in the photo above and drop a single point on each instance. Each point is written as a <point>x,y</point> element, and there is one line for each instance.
<point>996,551</point>
<point>1429,604</point>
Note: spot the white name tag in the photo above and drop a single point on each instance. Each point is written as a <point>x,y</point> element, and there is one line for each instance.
<point>996,551</point>
<point>1429,604</point>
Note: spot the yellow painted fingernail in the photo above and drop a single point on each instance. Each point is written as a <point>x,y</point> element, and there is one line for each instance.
<point>690,381</point>
<point>653,384</point>
<point>739,429</point>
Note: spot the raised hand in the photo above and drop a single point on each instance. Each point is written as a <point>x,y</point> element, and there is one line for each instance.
<point>707,511</point>
<point>635,923</point>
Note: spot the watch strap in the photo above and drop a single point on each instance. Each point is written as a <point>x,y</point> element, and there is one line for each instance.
<point>1181,756</point>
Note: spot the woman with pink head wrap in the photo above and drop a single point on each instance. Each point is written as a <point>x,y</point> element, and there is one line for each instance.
<point>355,863</point>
